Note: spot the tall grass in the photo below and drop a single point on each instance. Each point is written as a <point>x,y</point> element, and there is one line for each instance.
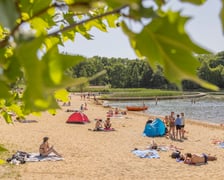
<point>141,92</point>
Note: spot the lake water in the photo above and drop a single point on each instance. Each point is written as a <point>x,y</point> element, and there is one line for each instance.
<point>206,109</point>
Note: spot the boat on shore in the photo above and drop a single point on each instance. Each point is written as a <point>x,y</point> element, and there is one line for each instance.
<point>137,108</point>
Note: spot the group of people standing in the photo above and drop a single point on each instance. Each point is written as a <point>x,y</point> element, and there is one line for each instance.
<point>175,126</point>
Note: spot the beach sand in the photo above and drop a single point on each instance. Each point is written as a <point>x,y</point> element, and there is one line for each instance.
<point>106,155</point>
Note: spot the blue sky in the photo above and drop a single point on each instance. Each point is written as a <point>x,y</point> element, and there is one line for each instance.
<point>204,29</point>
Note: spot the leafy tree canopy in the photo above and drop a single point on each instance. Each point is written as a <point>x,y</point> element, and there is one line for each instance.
<point>32,30</point>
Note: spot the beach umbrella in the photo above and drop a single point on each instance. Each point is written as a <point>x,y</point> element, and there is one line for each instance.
<point>78,117</point>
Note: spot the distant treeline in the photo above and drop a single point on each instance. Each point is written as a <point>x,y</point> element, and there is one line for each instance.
<point>126,73</point>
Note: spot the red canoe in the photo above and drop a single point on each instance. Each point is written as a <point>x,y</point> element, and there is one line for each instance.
<point>136,108</point>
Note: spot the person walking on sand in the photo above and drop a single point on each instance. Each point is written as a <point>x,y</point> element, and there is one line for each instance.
<point>45,149</point>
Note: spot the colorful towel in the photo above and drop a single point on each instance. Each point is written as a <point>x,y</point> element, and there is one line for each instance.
<point>151,154</point>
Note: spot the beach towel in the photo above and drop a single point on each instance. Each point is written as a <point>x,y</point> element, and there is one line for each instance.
<point>21,157</point>
<point>221,144</point>
<point>35,157</point>
<point>151,154</point>
<point>102,130</point>
<point>109,129</point>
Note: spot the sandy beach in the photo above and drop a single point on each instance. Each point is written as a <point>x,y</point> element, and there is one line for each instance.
<point>106,155</point>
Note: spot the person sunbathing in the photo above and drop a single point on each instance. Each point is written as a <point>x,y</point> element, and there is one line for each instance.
<point>198,159</point>
<point>45,149</point>
<point>217,141</point>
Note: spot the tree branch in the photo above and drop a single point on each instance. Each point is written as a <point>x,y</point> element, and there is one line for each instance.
<point>4,42</point>
<point>71,26</point>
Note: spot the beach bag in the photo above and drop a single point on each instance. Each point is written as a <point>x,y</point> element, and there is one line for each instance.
<point>18,158</point>
<point>175,154</point>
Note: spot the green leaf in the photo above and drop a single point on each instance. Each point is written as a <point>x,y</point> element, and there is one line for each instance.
<point>13,70</point>
<point>7,117</point>
<point>119,3</point>
<point>62,95</point>
<point>52,111</point>
<point>68,35</point>
<point>112,20</point>
<point>39,25</point>
<point>8,13</point>
<point>16,109</point>
<point>160,2</point>
<point>163,41</point>
<point>57,64</point>
<point>2,161</point>
<point>82,30</point>
<point>51,42</point>
<point>34,7</point>
<point>4,92</point>
<point>33,68</point>
<point>97,24</point>
<point>141,12</point>
<point>2,149</point>
<point>197,2</point>
<point>69,17</point>
<point>221,15</point>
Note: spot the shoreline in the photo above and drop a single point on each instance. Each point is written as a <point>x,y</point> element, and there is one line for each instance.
<point>184,96</point>
<point>191,121</point>
<point>198,112</point>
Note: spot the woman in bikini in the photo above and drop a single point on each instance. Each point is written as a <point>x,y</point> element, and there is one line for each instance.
<point>45,149</point>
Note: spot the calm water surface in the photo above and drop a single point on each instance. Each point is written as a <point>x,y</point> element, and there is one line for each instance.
<point>208,109</point>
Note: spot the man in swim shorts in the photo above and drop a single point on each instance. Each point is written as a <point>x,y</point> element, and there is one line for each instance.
<point>198,159</point>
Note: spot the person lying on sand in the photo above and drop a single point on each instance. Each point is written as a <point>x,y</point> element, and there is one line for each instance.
<point>197,158</point>
<point>174,148</point>
<point>217,141</point>
<point>45,149</point>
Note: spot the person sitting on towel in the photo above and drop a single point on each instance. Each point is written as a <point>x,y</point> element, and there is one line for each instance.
<point>45,149</point>
<point>98,125</point>
<point>107,124</point>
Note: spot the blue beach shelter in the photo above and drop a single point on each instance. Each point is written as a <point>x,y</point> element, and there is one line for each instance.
<point>156,128</point>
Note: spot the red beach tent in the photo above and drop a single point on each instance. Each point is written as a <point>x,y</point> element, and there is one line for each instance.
<point>78,117</point>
